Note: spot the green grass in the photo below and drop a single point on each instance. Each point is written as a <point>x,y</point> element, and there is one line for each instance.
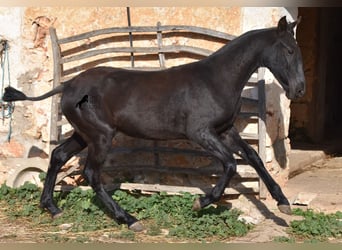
<point>313,228</point>
<point>175,214</point>
<point>159,212</point>
<point>317,226</point>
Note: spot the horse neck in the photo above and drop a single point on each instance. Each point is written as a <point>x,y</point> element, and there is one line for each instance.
<point>235,62</point>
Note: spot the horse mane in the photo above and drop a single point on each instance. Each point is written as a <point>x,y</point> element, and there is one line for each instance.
<point>240,39</point>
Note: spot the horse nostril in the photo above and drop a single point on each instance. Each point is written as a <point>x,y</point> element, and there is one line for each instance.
<point>300,92</point>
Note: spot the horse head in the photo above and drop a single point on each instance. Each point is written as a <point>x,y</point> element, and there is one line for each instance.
<point>284,59</point>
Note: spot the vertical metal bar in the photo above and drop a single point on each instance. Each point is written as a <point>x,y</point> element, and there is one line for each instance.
<point>130,35</point>
<point>160,45</point>
<point>262,127</point>
<point>55,130</point>
<point>162,65</point>
<point>3,46</point>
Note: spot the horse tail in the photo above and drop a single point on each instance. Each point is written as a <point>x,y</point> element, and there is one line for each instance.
<point>12,94</point>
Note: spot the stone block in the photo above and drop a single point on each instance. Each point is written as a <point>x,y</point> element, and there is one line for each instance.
<point>12,149</point>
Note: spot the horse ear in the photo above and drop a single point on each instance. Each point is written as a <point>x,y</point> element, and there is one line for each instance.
<point>282,25</point>
<point>292,25</point>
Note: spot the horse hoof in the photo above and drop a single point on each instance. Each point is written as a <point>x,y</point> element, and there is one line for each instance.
<point>286,209</point>
<point>197,205</point>
<point>56,216</point>
<point>136,227</point>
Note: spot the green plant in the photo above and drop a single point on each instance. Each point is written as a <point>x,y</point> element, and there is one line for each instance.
<point>28,194</point>
<point>83,211</point>
<point>153,230</point>
<point>127,235</point>
<point>284,239</point>
<point>316,226</point>
<point>175,213</point>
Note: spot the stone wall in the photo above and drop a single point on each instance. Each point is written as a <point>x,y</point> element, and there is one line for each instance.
<point>31,65</point>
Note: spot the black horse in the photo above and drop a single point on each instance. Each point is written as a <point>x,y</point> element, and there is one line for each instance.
<point>197,101</point>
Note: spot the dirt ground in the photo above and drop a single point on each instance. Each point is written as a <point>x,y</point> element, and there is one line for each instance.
<point>319,187</point>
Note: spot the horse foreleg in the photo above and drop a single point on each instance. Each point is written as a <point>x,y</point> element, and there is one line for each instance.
<point>234,141</point>
<point>60,155</point>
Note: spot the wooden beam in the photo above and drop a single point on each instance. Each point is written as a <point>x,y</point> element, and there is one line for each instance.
<point>246,187</point>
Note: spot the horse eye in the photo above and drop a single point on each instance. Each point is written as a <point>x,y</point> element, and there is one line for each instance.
<point>290,51</point>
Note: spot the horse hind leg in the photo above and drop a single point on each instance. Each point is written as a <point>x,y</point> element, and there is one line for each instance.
<point>60,155</point>
<point>97,153</point>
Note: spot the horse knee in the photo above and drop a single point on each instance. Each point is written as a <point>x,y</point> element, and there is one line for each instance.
<point>88,174</point>
<point>93,177</point>
<point>58,157</point>
<point>231,168</point>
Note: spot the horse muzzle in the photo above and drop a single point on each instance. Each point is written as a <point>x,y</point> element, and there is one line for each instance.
<point>297,92</point>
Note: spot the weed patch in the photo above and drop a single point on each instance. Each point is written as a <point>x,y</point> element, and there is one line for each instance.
<point>316,226</point>
<point>159,212</point>
<point>175,214</point>
<point>313,228</point>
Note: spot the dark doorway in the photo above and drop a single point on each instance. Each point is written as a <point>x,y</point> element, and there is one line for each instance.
<point>317,118</point>
<point>332,46</point>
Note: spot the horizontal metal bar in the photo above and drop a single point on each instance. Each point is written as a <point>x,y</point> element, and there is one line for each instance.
<point>141,29</point>
<point>146,50</point>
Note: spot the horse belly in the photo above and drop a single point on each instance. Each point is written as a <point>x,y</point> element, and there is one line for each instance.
<point>151,123</point>
<point>150,130</point>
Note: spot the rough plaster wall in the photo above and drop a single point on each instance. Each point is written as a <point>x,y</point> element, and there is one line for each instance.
<point>29,70</point>
<point>218,18</point>
<point>207,17</point>
<point>11,32</point>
